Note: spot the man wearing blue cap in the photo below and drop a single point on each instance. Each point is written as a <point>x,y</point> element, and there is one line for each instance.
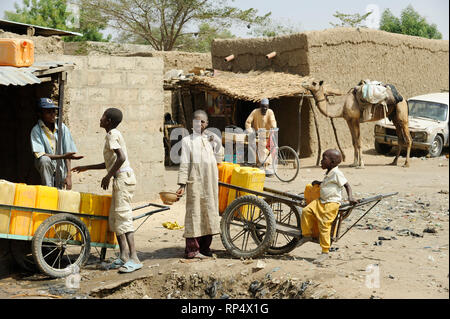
<point>44,140</point>
<point>261,118</point>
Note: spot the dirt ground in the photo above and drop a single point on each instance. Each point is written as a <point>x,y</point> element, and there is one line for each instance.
<point>386,255</point>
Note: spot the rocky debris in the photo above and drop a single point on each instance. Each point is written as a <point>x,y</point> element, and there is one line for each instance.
<point>430,230</point>
<point>211,290</point>
<point>259,265</point>
<point>407,232</point>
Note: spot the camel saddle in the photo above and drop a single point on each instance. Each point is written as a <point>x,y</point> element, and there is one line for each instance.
<point>367,108</point>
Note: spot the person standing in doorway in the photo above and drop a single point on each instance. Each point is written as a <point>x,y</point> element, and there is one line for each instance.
<point>44,141</point>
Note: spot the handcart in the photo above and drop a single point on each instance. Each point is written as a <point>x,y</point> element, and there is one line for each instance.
<point>63,239</point>
<point>255,223</point>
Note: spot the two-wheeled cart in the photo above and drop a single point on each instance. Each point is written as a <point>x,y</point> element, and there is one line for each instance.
<point>269,221</point>
<point>62,240</point>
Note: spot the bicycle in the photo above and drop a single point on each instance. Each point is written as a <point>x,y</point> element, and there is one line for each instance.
<point>285,163</point>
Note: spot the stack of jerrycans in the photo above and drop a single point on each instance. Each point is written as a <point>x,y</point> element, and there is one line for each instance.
<point>7,192</point>
<point>225,173</point>
<point>69,201</point>
<point>251,178</point>
<point>46,198</point>
<point>24,196</point>
<point>110,236</point>
<point>92,204</point>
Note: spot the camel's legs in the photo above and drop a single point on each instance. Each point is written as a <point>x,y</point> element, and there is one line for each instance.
<point>407,141</point>
<point>358,143</point>
<point>353,126</point>
<point>404,140</point>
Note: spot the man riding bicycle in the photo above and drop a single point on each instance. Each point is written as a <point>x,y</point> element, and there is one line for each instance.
<point>261,118</point>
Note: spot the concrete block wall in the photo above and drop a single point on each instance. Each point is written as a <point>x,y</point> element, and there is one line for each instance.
<point>135,86</point>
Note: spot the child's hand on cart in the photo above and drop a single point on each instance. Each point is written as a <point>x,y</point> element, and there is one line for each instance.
<point>353,201</point>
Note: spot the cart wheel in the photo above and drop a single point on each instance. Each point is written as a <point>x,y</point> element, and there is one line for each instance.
<point>61,242</point>
<point>247,217</point>
<point>288,164</point>
<point>21,252</point>
<point>286,215</point>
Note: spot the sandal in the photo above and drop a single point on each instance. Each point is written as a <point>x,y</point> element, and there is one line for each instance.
<point>130,266</point>
<point>117,263</point>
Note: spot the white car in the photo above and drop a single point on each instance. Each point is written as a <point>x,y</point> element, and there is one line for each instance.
<point>428,124</point>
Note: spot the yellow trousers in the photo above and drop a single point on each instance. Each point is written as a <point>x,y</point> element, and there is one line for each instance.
<point>316,221</point>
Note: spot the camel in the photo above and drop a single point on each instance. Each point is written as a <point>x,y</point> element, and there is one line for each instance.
<point>347,107</point>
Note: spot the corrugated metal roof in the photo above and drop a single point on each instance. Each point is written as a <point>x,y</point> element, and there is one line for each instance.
<point>21,28</point>
<point>10,75</point>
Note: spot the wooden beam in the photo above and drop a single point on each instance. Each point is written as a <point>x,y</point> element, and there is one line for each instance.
<point>312,103</point>
<point>54,70</point>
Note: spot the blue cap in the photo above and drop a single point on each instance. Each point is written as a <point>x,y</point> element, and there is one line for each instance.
<point>264,101</point>
<point>46,103</point>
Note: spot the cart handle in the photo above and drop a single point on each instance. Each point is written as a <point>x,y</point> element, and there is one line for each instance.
<point>161,209</point>
<point>148,214</point>
<point>364,201</point>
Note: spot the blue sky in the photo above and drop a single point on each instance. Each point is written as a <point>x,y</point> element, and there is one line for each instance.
<point>317,15</point>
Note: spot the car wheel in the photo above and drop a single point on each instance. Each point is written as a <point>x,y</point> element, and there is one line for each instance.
<point>436,146</point>
<point>382,148</point>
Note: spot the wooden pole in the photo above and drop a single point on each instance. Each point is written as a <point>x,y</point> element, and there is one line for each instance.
<point>300,125</point>
<point>59,183</point>
<point>337,140</point>
<point>182,117</point>
<point>311,101</point>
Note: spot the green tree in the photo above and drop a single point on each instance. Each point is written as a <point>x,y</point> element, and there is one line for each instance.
<point>57,15</point>
<point>272,28</point>
<point>162,23</point>
<point>410,23</point>
<point>350,20</point>
<point>45,13</point>
<point>201,40</point>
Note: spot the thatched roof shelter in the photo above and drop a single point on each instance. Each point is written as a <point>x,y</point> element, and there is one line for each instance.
<point>254,86</point>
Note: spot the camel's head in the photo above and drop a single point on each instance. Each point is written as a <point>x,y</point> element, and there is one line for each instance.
<point>312,85</point>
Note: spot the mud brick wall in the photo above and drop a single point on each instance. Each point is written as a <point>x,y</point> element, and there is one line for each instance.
<point>342,57</point>
<point>42,45</point>
<point>135,86</point>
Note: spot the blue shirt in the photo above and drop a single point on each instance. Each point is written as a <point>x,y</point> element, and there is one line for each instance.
<point>40,143</point>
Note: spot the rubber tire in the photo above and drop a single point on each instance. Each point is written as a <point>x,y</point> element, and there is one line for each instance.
<point>37,242</point>
<point>440,145</point>
<point>228,215</point>
<point>273,250</point>
<point>382,148</point>
<point>297,160</point>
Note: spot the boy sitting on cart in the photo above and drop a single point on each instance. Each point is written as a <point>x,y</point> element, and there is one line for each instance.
<point>319,215</point>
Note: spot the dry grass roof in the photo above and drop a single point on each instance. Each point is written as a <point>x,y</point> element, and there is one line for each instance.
<point>254,86</point>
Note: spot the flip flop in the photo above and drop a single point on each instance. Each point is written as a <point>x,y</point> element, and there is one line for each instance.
<point>117,263</point>
<point>130,266</point>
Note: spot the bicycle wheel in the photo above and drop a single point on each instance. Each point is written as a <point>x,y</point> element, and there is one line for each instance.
<point>287,164</point>
<point>285,215</point>
<point>247,218</point>
<point>61,242</point>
